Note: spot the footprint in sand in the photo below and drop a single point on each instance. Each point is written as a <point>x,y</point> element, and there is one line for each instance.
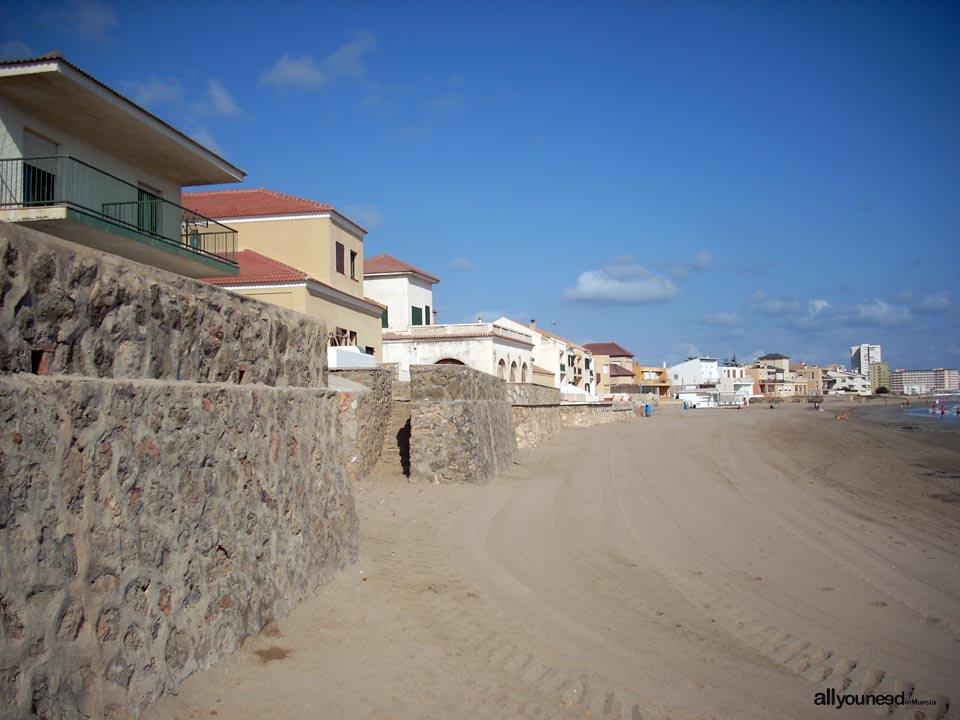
<point>825,588</point>
<point>877,603</point>
<point>932,621</point>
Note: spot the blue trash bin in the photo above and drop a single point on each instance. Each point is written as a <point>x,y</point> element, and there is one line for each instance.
<point>649,410</point>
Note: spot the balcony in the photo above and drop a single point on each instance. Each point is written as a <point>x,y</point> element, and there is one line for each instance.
<point>70,199</point>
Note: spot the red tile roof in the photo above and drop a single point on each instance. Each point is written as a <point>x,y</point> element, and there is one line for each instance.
<point>257,269</point>
<point>388,265</point>
<point>610,349</point>
<point>537,370</point>
<point>250,203</point>
<point>617,371</point>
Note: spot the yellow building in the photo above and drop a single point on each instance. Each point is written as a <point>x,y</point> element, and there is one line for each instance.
<point>652,379</point>
<point>317,256</point>
<point>879,375</point>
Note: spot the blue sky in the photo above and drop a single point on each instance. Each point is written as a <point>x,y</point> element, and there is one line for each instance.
<point>682,178</point>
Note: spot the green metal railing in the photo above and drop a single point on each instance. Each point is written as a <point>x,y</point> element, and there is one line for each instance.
<point>65,181</point>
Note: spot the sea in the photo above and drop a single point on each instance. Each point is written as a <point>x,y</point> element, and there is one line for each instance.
<point>929,408</point>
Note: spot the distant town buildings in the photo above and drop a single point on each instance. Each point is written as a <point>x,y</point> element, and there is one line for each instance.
<point>918,382</point>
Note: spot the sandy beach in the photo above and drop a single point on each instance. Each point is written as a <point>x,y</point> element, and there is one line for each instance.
<point>707,564</point>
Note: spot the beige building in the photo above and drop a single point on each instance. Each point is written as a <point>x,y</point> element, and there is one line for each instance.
<point>81,162</point>
<point>879,375</point>
<point>614,365</point>
<point>307,238</point>
<point>809,378</point>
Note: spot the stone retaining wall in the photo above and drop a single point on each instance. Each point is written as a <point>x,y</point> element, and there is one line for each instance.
<point>171,475</point>
<point>588,414</point>
<point>364,417</point>
<point>67,309</point>
<point>535,424</point>
<point>536,413</point>
<point>529,394</point>
<point>461,425</point>
<point>147,528</point>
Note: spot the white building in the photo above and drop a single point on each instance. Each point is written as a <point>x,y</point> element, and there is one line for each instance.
<point>407,292</point>
<point>862,355</point>
<point>570,364</point>
<point>697,381</point>
<point>489,347</point>
<point>839,381</point>
<point>735,386</point>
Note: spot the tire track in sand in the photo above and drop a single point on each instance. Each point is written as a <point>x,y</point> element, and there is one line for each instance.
<point>411,560</point>
<point>824,667</point>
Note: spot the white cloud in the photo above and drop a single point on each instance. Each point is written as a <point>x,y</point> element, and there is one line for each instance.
<point>722,317</point>
<point>937,302</point>
<point>702,260</point>
<point>81,18</point>
<point>295,72</point>
<point>367,215</point>
<point>154,92</point>
<point>14,50</point>
<point>628,284</point>
<point>220,101</point>
<point>346,62</point>
<point>460,263</point>
<point>817,306</point>
<point>203,136</point>
<point>762,303</point>
<point>880,312</point>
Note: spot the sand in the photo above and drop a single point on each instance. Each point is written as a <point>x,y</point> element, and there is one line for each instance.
<point>709,564</point>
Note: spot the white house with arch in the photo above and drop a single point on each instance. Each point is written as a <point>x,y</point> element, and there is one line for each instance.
<point>489,347</point>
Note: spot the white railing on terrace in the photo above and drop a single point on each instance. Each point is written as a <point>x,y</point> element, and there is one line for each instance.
<point>465,329</point>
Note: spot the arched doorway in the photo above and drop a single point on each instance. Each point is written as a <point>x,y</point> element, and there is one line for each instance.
<point>449,361</point>
<point>513,372</point>
<point>523,373</point>
<point>501,369</point>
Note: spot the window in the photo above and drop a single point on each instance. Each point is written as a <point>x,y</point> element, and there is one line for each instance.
<point>340,265</point>
<point>148,211</point>
<point>369,350</point>
<point>416,316</point>
<point>385,318</point>
<point>343,337</point>
<point>426,314</point>
<point>353,265</point>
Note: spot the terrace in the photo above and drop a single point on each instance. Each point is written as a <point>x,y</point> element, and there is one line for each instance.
<point>68,198</point>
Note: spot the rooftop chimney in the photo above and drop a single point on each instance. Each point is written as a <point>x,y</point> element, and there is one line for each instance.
<point>533,324</point>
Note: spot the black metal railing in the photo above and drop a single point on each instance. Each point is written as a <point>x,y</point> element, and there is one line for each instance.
<point>65,181</point>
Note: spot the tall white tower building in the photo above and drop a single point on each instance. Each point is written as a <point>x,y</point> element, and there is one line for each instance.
<point>862,355</point>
